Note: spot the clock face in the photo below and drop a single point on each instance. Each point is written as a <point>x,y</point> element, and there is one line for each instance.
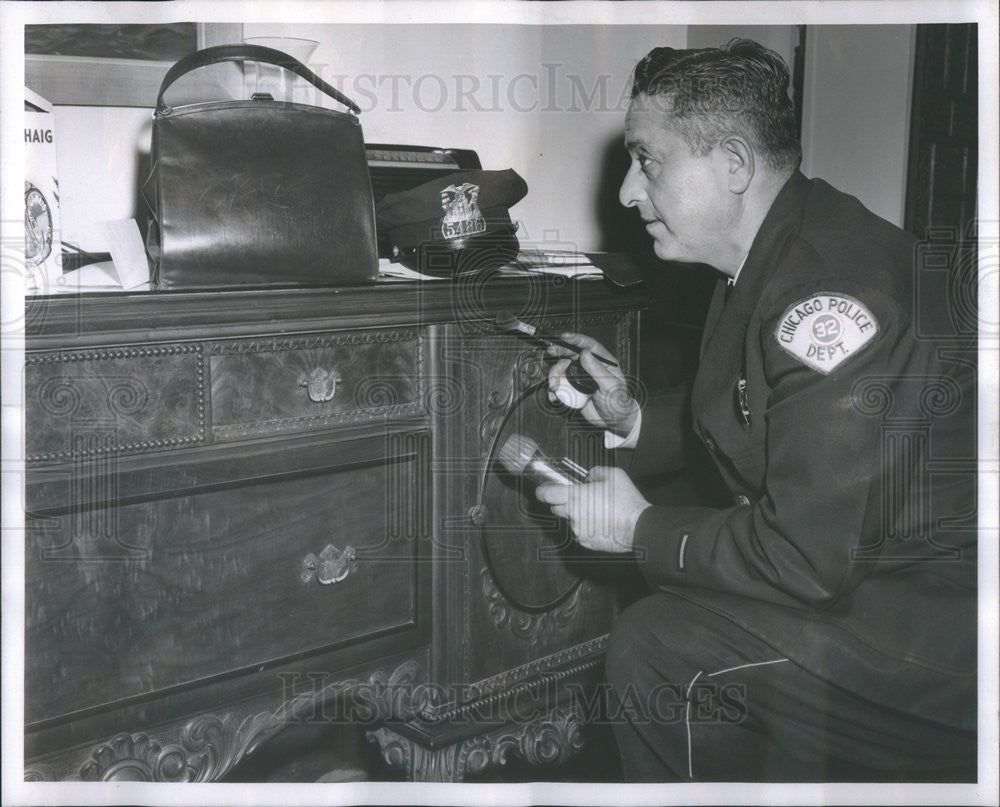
<point>37,227</point>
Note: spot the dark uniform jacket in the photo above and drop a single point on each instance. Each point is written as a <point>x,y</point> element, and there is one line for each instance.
<point>840,413</point>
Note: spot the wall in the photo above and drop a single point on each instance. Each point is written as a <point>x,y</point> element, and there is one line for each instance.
<point>856,111</point>
<point>779,38</point>
<point>549,103</point>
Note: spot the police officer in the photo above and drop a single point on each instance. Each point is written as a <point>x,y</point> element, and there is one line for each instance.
<point>823,626</point>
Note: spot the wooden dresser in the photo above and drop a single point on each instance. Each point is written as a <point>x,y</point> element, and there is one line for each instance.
<point>251,508</point>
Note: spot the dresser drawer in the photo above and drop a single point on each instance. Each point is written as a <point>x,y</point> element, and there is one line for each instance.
<point>200,579</point>
<point>116,401</point>
<point>288,384</point>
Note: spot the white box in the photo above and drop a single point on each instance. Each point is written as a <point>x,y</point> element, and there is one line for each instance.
<point>42,240</point>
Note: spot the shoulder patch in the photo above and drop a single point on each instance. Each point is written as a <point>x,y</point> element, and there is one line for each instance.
<point>825,329</point>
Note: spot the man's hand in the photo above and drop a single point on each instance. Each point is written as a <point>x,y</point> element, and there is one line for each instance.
<point>612,407</point>
<point>602,512</point>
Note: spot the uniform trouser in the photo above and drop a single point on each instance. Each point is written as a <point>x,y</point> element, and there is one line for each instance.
<point>695,697</point>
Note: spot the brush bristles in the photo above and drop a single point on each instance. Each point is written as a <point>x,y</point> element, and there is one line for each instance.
<point>512,324</point>
<point>516,452</point>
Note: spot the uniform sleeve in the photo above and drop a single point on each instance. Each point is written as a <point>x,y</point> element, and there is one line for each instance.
<point>660,443</point>
<point>612,440</point>
<point>821,497</point>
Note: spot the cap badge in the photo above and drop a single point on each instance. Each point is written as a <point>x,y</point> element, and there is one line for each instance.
<point>825,329</point>
<point>461,211</point>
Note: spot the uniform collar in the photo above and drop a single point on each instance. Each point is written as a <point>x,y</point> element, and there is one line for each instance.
<point>781,220</point>
<point>782,217</point>
<point>734,278</point>
<point>726,322</point>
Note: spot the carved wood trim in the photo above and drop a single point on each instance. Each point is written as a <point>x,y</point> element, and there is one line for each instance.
<point>488,692</point>
<point>272,344</point>
<point>39,773</point>
<point>418,763</point>
<point>546,665</point>
<point>533,628</point>
<point>549,740</point>
<point>392,695</point>
<point>261,427</point>
<point>527,371</point>
<point>209,746</point>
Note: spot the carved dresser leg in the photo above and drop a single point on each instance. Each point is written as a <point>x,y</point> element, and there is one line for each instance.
<point>549,740</point>
<point>419,764</point>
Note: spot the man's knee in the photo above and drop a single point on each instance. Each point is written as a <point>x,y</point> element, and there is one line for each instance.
<point>665,638</point>
<point>634,644</point>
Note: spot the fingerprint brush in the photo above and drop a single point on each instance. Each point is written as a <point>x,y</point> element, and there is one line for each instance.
<point>510,324</point>
<point>520,456</point>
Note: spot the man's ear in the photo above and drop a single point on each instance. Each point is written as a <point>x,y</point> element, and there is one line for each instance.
<point>738,162</point>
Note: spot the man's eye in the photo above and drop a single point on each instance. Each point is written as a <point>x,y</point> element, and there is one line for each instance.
<point>644,162</point>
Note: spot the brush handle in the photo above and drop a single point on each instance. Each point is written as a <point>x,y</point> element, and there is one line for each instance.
<point>580,378</point>
<point>512,325</point>
<point>555,340</point>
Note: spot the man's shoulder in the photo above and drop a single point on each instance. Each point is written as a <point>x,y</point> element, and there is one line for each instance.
<point>837,240</point>
<point>845,234</point>
<point>842,256</point>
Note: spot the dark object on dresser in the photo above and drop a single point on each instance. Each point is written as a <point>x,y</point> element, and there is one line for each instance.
<point>455,224</point>
<point>258,192</point>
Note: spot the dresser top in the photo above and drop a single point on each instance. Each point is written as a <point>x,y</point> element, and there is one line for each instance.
<point>67,320</point>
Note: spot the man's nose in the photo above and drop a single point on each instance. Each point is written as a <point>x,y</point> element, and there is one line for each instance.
<point>633,188</point>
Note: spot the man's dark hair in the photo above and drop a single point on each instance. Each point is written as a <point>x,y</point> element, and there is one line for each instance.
<point>740,88</point>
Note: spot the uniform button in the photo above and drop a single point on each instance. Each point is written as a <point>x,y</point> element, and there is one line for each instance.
<point>743,501</point>
<point>710,445</point>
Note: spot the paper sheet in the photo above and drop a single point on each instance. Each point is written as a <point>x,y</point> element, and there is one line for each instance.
<point>533,261</point>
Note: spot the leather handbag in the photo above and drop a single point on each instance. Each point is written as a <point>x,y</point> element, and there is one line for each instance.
<point>258,192</point>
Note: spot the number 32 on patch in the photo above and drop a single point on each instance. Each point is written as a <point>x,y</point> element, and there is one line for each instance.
<point>825,329</point>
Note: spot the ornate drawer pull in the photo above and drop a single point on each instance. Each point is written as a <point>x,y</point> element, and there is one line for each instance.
<point>331,566</point>
<point>320,384</point>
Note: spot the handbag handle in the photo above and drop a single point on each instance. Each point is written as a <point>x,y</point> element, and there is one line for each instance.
<point>247,53</point>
